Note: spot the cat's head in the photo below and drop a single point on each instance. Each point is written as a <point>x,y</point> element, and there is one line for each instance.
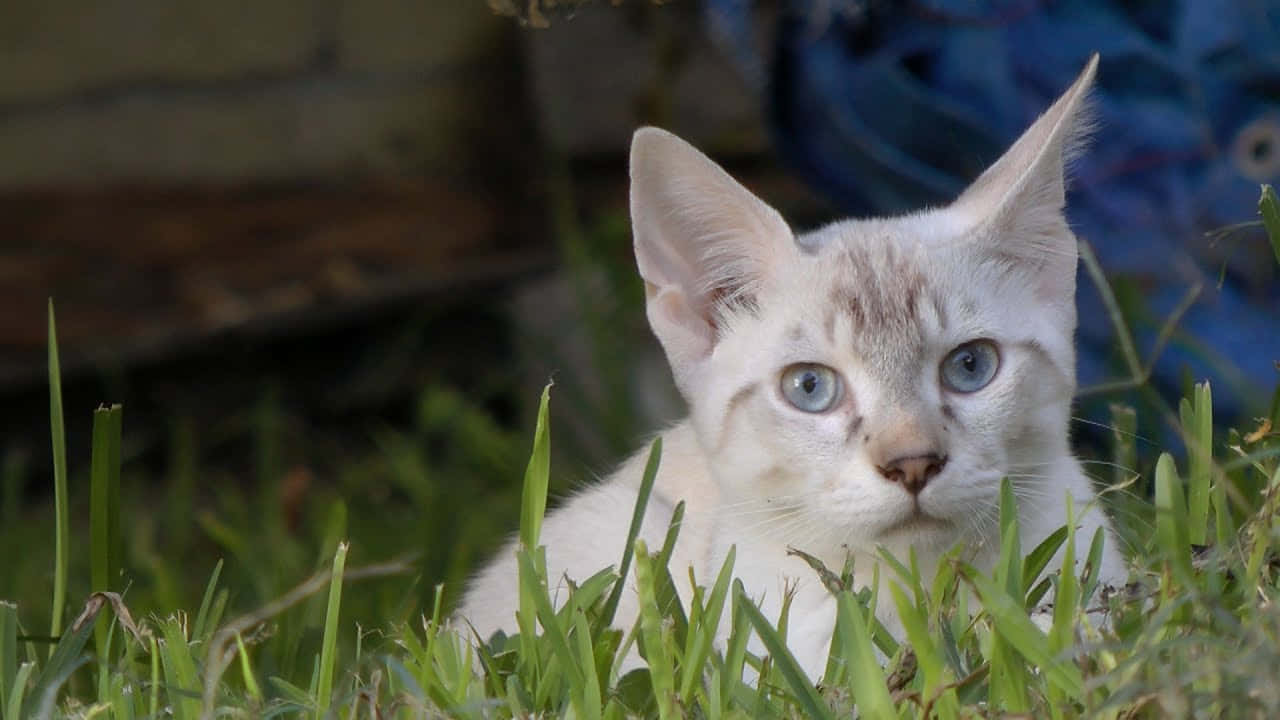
<point>879,377</point>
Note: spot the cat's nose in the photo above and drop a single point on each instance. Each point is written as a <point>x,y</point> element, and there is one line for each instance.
<point>913,472</point>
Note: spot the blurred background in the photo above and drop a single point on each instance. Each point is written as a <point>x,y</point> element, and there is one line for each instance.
<point>327,252</point>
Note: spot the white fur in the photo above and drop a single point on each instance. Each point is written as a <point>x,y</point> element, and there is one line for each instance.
<point>735,299</point>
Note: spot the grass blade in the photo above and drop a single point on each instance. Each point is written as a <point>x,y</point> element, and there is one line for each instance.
<point>1197,429</point>
<point>8,652</point>
<point>13,708</point>
<point>203,626</point>
<point>67,656</point>
<point>1039,558</point>
<point>182,685</point>
<point>329,645</point>
<point>1012,624</point>
<point>1171,517</point>
<point>661,665</point>
<point>533,503</point>
<point>713,611</point>
<point>1269,209</point>
<point>62,530</point>
<point>802,689</point>
<point>104,523</point>
<point>865,676</point>
<point>589,700</point>
<point>637,518</point>
<point>246,671</point>
<point>1124,443</point>
<point>928,655</point>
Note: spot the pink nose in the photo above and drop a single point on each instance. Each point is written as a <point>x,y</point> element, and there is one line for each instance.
<point>913,472</point>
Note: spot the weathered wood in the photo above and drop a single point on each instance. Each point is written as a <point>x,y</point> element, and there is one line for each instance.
<point>136,272</point>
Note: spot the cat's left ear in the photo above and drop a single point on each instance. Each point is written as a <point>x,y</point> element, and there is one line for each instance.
<point>702,241</point>
<point>1016,206</point>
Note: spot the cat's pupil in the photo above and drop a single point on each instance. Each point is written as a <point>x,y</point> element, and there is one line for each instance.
<point>809,383</point>
<point>970,362</point>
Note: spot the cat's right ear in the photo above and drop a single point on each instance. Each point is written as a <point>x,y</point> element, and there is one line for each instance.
<point>701,240</point>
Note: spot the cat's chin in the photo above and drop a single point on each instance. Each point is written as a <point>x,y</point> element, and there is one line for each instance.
<point>915,523</point>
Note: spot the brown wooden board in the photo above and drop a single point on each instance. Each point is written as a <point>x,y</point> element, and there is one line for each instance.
<point>137,272</point>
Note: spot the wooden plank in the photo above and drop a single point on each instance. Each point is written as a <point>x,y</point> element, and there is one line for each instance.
<point>135,272</point>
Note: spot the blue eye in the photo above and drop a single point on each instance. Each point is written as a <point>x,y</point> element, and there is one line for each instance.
<point>970,367</point>
<point>811,388</point>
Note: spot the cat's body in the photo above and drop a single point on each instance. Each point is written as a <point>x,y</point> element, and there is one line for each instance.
<point>868,384</point>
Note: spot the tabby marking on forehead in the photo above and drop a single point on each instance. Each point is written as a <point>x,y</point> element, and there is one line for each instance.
<point>882,291</point>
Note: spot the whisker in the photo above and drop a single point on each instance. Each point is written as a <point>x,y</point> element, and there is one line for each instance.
<point>1112,428</point>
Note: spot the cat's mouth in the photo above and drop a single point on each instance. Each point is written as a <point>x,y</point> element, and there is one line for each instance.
<point>916,521</point>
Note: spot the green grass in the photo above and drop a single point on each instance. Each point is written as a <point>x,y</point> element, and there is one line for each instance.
<point>1197,632</point>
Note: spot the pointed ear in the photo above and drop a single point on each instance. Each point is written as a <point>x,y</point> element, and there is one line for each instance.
<point>1016,205</point>
<point>702,241</point>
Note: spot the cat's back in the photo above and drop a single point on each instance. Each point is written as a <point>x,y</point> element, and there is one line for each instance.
<point>588,533</point>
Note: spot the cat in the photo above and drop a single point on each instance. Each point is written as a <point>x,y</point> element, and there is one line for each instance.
<point>866,384</point>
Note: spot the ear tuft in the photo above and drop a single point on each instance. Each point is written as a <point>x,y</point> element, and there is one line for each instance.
<point>702,240</point>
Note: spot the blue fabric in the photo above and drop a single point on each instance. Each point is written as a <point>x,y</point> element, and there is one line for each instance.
<point>886,106</point>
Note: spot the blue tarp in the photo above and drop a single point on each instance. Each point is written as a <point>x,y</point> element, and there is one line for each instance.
<point>888,106</point>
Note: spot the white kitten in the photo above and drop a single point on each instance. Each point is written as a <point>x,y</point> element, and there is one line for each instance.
<point>866,384</point>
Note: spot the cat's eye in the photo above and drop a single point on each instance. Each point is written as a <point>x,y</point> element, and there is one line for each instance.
<point>970,367</point>
<point>811,388</point>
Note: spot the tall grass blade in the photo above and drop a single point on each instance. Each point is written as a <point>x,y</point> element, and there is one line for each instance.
<point>13,707</point>
<point>806,695</point>
<point>67,656</point>
<point>153,695</point>
<point>865,677</point>
<point>928,656</point>
<point>203,626</point>
<point>1269,209</point>
<point>1011,623</point>
<point>182,684</point>
<point>8,651</point>
<point>104,523</point>
<point>329,644</point>
<point>589,700</point>
<point>1171,517</point>
<point>62,530</point>
<point>702,634</point>
<point>661,664</point>
<point>1197,428</point>
<point>246,670</point>
<point>637,519</point>
<point>533,503</point>
<point>1124,443</point>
